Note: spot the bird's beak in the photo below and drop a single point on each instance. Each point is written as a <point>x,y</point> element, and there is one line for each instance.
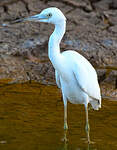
<point>35,18</point>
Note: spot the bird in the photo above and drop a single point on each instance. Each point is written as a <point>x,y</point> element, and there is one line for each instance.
<point>74,74</point>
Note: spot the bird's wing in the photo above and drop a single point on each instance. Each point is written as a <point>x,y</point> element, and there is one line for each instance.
<point>57,79</point>
<point>87,79</point>
<point>84,73</point>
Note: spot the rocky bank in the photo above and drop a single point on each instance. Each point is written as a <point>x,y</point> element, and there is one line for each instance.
<point>91,30</point>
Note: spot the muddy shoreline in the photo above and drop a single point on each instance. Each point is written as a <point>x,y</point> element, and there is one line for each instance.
<point>91,30</point>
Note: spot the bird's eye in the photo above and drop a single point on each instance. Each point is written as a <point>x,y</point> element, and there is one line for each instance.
<point>49,15</point>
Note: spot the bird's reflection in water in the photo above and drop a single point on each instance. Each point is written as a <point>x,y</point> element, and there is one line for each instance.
<point>66,142</point>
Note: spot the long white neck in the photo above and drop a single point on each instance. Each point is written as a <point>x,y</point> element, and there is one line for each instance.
<point>54,45</point>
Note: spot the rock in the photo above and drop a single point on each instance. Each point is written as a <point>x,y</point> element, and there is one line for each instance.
<point>102,5</point>
<point>113,4</point>
<point>17,9</point>
<point>113,29</point>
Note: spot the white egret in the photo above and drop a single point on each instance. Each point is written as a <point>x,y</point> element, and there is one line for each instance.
<point>75,76</point>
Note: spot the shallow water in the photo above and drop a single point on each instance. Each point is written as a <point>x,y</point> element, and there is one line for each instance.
<point>31,117</point>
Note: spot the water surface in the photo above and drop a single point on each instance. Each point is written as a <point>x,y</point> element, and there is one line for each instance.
<point>31,117</point>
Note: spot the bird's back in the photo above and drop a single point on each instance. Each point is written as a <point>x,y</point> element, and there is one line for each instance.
<point>85,75</point>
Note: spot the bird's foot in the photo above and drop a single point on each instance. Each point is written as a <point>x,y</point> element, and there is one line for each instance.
<point>89,142</point>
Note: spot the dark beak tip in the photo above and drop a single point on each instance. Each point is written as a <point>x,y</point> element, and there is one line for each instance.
<point>16,21</point>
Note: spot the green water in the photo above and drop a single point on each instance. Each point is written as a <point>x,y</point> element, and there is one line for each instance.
<point>31,118</point>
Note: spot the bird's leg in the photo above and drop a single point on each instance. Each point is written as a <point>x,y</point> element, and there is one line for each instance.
<point>87,127</point>
<point>65,112</point>
<point>65,117</point>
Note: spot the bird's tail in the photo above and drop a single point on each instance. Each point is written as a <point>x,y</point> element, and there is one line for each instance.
<point>96,104</point>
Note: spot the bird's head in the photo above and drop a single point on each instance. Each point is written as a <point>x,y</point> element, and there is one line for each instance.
<point>49,15</point>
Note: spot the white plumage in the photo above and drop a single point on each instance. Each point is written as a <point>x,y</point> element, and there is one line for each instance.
<point>80,80</point>
<point>75,76</point>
